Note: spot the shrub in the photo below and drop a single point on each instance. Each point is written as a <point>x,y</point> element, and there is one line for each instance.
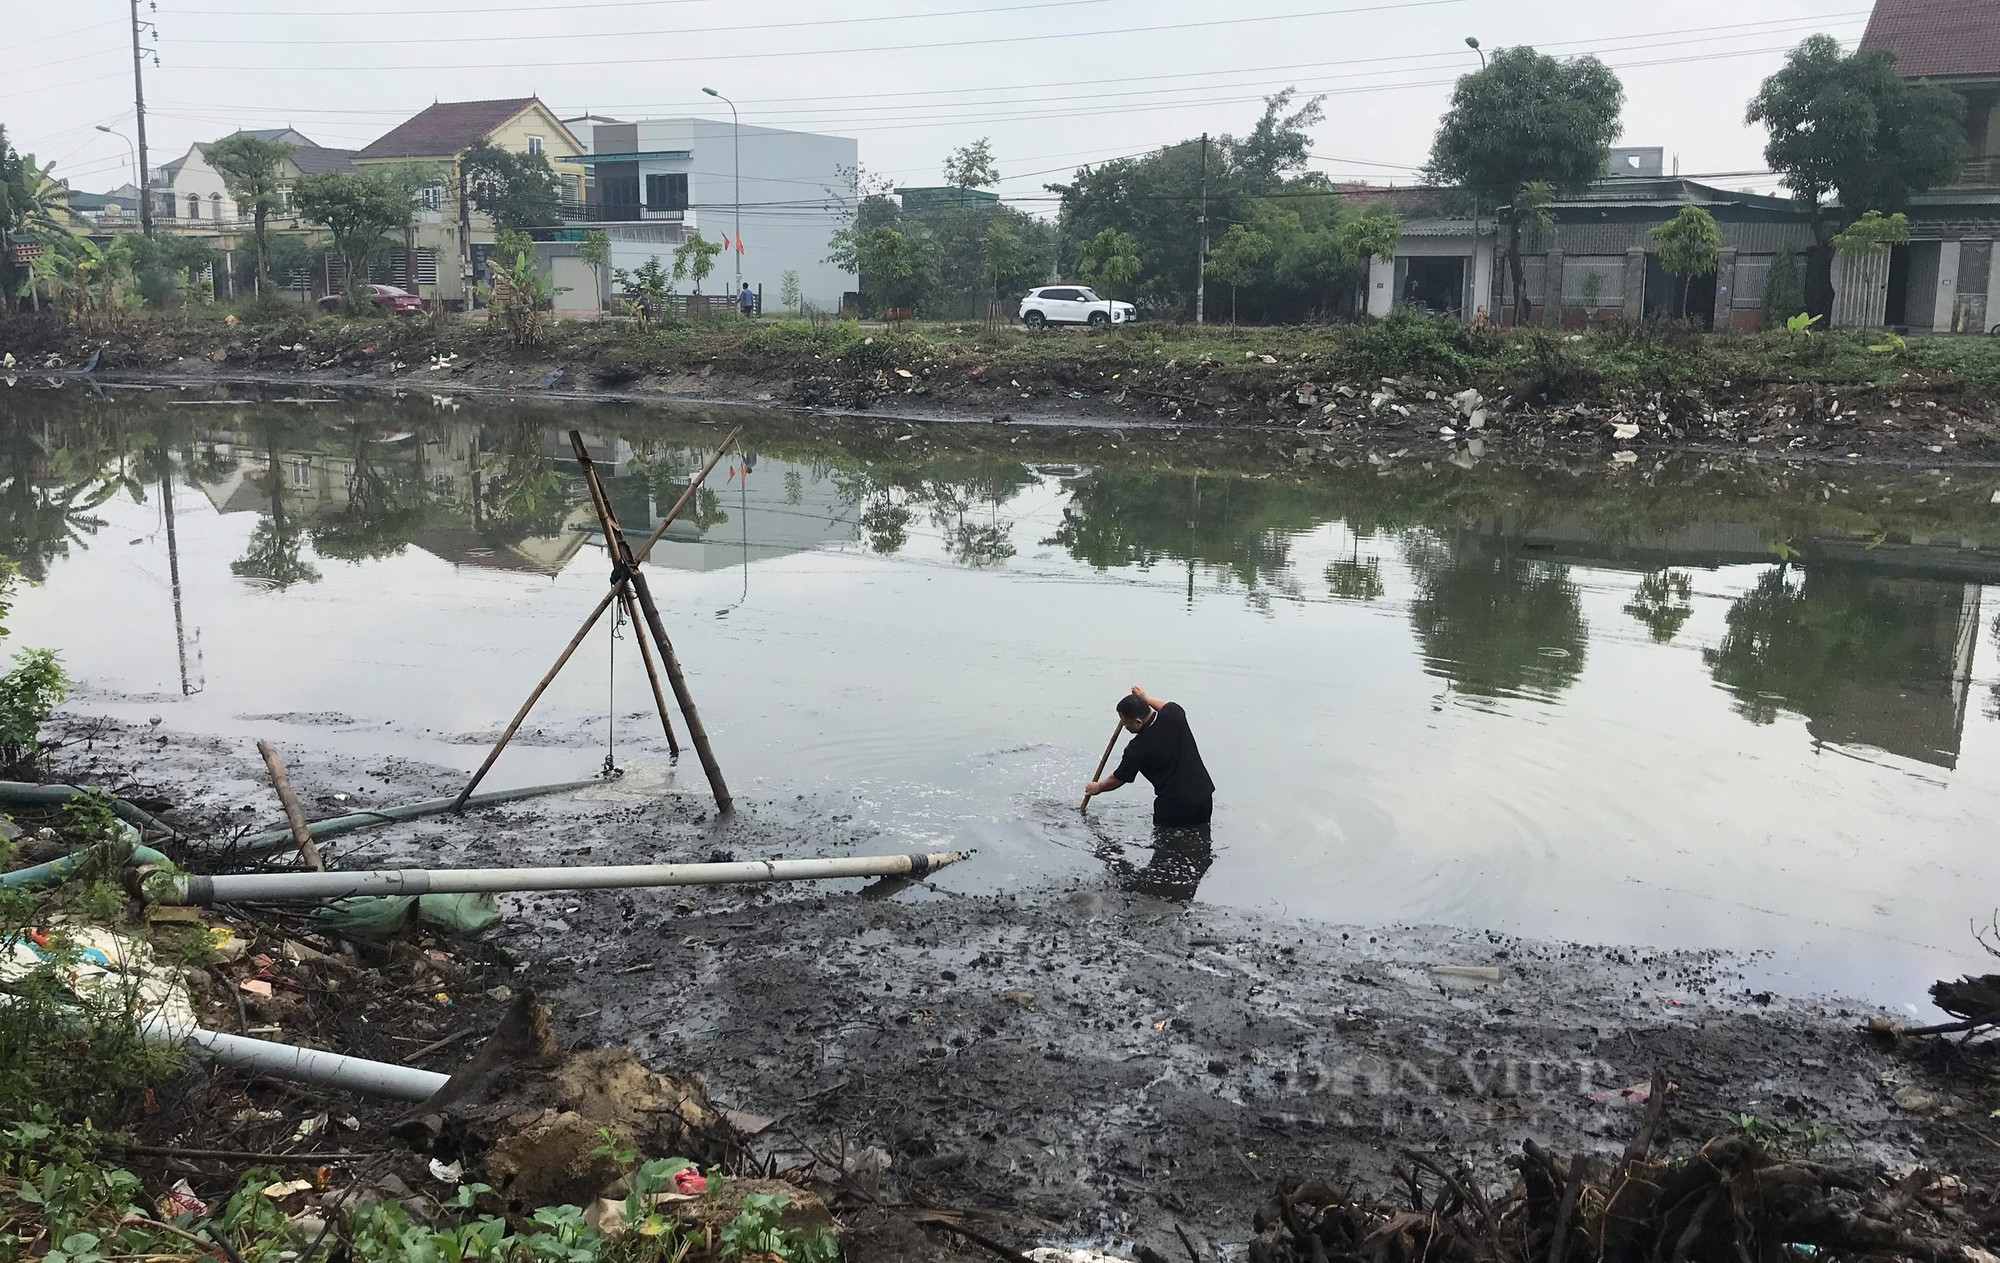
<point>1412,342</point>
<point>28,694</point>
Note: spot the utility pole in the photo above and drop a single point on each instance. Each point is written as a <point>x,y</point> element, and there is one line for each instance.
<point>139,111</point>
<point>1201,261</point>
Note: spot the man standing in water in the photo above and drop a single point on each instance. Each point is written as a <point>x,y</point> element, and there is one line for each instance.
<point>1162,750</point>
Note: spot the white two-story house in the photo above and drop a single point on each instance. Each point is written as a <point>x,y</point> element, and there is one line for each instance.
<point>656,181</point>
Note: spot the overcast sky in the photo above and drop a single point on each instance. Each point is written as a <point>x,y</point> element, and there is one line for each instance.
<point>1055,83</point>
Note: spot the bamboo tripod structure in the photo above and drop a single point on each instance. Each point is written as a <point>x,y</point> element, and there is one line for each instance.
<point>629,586</point>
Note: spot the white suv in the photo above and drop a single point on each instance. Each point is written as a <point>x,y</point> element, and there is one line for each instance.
<point>1073,305</point>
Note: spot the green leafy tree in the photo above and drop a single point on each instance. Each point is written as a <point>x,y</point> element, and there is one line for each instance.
<point>595,249</point>
<point>971,166</point>
<point>1527,119</point>
<point>250,167</point>
<point>1279,143</point>
<point>898,265</point>
<point>361,209</point>
<point>789,292</point>
<point>84,277</point>
<point>1111,263</point>
<point>411,182</point>
<point>31,209</point>
<point>1873,233</point>
<point>694,259</point>
<point>1847,124</point>
<point>1784,290</point>
<point>515,190</point>
<point>1014,258</point>
<point>1151,199</point>
<point>169,271</point>
<point>1239,260</point>
<point>648,287</point>
<point>1689,245</point>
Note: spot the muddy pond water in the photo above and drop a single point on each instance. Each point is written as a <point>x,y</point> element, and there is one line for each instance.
<point>1681,702</point>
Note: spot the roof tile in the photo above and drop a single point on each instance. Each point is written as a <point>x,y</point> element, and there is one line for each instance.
<point>445,128</point>
<point>1938,37</point>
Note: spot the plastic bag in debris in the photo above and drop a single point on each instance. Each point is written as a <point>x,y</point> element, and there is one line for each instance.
<point>105,971</point>
<point>379,916</point>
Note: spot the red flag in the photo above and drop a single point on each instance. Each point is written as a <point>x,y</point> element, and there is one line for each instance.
<point>739,243</point>
<point>725,243</point>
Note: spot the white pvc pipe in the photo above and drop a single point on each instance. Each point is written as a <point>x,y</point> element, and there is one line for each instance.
<point>255,887</point>
<point>322,1069</point>
<point>300,1065</point>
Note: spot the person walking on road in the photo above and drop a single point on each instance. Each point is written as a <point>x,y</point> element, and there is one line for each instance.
<point>1162,749</point>
<point>747,301</point>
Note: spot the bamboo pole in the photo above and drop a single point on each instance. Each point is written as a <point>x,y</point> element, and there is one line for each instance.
<point>642,592</point>
<point>294,815</point>
<point>333,826</point>
<point>1101,762</point>
<point>569,650</point>
<point>652,674</point>
<point>620,553</point>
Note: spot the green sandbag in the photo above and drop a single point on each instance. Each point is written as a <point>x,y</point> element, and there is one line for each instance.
<point>381,916</point>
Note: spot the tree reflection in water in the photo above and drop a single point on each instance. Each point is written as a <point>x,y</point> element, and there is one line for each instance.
<point>1492,622</point>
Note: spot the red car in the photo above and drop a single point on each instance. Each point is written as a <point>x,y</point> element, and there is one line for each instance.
<point>387,297</point>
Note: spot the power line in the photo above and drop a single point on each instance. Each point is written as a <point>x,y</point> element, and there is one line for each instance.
<point>1388,5</point>
<point>677,31</point>
<point>867,112</point>
<point>1842,18</point>
<point>1332,90</point>
<point>1354,90</point>
<point>42,39</point>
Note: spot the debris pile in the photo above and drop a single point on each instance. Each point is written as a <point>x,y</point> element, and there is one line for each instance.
<point>1736,1199</point>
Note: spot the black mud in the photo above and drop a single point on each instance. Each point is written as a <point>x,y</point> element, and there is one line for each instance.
<point>1095,1065</point>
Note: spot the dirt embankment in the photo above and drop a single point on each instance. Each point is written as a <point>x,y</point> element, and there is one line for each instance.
<point>1091,1063</point>
<point>1841,397</point>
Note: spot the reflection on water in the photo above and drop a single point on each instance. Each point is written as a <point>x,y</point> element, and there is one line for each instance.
<point>1557,701</point>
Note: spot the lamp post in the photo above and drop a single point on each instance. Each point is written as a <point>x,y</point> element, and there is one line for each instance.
<point>137,183</point>
<point>736,140</point>
<point>1472,42</point>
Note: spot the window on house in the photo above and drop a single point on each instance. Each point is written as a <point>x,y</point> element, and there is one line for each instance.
<point>194,206</point>
<point>534,144</point>
<point>215,204</point>
<point>572,188</point>
<point>432,198</point>
<point>667,191</point>
<point>302,472</point>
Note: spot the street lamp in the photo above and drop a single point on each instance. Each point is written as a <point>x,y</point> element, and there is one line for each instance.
<point>137,183</point>
<point>736,138</point>
<point>1472,42</point>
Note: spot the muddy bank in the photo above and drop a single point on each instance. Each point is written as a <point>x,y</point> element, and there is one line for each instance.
<point>1091,1063</point>
<point>1834,397</point>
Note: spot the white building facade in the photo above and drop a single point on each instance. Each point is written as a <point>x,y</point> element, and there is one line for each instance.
<point>656,182</point>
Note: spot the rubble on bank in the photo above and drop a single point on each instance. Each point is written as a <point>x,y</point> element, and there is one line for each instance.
<point>1824,396</point>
